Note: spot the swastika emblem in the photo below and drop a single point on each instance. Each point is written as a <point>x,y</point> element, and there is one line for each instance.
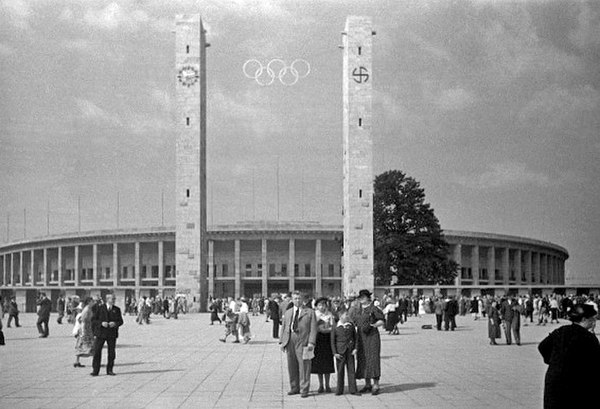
<point>360,74</point>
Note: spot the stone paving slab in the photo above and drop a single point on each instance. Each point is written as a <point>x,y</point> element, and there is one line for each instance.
<point>181,364</point>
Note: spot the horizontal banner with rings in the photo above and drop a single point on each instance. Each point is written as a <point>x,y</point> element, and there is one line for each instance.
<point>276,69</point>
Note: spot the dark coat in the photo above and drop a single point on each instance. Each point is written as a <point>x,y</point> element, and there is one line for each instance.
<point>493,323</point>
<point>451,308</point>
<point>343,338</point>
<point>573,357</point>
<point>101,314</point>
<point>510,312</point>
<point>45,307</point>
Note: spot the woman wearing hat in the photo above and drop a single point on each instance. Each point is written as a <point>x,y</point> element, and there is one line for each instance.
<point>368,318</point>
<point>572,353</point>
<point>322,363</point>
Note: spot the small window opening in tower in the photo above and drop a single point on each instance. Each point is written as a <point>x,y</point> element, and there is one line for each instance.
<point>187,121</point>
<point>187,49</point>
<point>360,193</point>
<point>187,193</point>
<point>359,121</point>
<point>359,50</point>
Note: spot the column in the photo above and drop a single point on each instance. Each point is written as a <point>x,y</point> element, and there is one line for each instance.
<point>475,264</point>
<point>265,270</point>
<point>537,268</point>
<point>518,269</point>
<point>554,270</point>
<point>12,269</point>
<point>491,264</point>
<point>528,268</point>
<point>291,262</point>
<point>21,278</point>
<point>161,268</point>
<point>115,264</point>
<point>542,268</point>
<point>45,267</point>
<point>94,264</point>
<point>3,269</point>
<point>238,270</point>
<point>561,269</point>
<point>505,265</point>
<point>136,267</point>
<point>60,266</point>
<point>318,269</point>
<point>211,267</point>
<point>76,266</point>
<point>32,269</point>
<point>458,259</point>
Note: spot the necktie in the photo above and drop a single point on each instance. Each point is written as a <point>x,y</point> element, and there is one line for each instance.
<point>295,323</point>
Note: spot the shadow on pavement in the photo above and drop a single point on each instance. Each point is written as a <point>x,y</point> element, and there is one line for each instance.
<point>127,346</point>
<point>406,387</point>
<point>133,363</point>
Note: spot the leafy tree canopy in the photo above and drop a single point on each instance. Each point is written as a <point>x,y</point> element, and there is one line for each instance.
<point>409,242</point>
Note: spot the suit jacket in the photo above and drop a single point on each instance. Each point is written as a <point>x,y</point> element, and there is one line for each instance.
<point>101,314</point>
<point>45,307</point>
<point>510,312</point>
<point>343,338</point>
<point>307,326</point>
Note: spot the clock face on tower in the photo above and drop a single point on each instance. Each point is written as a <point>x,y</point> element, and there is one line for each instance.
<point>188,75</point>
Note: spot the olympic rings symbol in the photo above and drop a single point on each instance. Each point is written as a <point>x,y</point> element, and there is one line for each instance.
<point>276,69</point>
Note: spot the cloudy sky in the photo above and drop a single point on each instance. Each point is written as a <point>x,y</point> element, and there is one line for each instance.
<point>494,107</point>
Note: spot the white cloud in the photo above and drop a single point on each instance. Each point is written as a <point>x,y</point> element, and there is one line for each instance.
<point>114,16</point>
<point>6,50</point>
<point>505,175</point>
<point>587,32</point>
<point>93,112</point>
<point>454,99</point>
<point>18,12</point>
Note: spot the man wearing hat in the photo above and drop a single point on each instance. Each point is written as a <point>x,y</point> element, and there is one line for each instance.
<point>572,353</point>
<point>299,333</point>
<point>368,318</point>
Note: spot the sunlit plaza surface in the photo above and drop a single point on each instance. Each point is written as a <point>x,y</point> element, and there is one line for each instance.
<point>181,364</point>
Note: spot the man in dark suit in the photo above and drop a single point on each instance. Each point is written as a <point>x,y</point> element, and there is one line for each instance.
<point>106,321</point>
<point>450,312</point>
<point>299,331</point>
<point>274,309</point>
<point>510,312</point>
<point>43,311</point>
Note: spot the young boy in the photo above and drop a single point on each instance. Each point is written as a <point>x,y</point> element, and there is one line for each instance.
<point>343,346</point>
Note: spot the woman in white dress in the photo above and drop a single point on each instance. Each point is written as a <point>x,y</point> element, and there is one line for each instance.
<point>84,345</point>
<point>421,306</point>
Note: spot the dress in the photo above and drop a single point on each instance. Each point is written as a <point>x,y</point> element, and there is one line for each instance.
<point>392,317</point>
<point>322,363</point>
<point>84,345</point>
<point>369,342</point>
<point>493,323</point>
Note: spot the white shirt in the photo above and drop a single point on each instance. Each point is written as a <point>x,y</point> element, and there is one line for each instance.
<point>244,307</point>
<point>294,309</point>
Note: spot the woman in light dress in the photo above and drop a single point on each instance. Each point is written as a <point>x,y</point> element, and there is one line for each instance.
<point>421,307</point>
<point>84,345</point>
<point>244,320</point>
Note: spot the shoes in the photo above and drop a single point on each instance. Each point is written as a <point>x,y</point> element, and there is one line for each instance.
<point>111,373</point>
<point>338,393</point>
<point>304,395</point>
<point>43,336</point>
<point>518,343</point>
<point>222,340</point>
<point>94,374</point>
<point>237,341</point>
<point>327,389</point>
<point>290,393</point>
<point>375,391</point>
<point>355,393</point>
<point>367,388</point>
<point>320,390</point>
<point>78,365</point>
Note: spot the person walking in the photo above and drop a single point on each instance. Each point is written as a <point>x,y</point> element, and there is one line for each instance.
<point>273,307</point>
<point>13,312</point>
<point>298,339</point>
<point>450,312</point>
<point>84,344</point>
<point>106,321</point>
<point>214,312</point>
<point>572,353</point>
<point>60,308</point>
<point>43,311</point>
<point>438,308</point>
<point>368,318</point>
<point>322,363</point>
<point>244,320</point>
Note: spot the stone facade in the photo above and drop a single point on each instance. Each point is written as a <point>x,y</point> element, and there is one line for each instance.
<point>357,155</point>
<point>190,213</point>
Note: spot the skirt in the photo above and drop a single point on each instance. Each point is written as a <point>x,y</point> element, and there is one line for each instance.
<point>392,320</point>
<point>322,363</point>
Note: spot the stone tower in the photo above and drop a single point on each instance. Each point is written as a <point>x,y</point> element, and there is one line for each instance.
<point>358,156</point>
<point>190,117</point>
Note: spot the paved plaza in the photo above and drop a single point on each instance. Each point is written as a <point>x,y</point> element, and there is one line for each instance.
<point>181,364</point>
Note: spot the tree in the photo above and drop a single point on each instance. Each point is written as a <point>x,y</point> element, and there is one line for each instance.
<point>409,241</point>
